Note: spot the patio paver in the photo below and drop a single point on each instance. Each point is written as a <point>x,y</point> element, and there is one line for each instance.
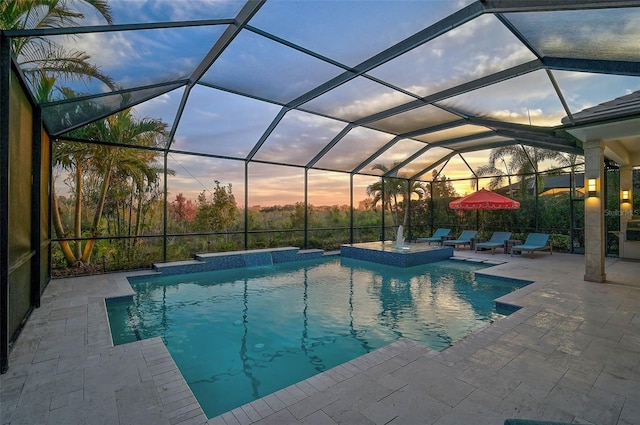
<point>572,354</point>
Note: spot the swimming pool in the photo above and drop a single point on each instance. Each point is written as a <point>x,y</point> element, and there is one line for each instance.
<point>238,335</point>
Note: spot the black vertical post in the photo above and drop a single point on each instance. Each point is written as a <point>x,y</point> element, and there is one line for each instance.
<point>306,208</point>
<point>36,206</point>
<point>605,196</point>
<point>408,207</point>
<point>49,190</point>
<point>537,204</point>
<point>383,214</point>
<point>477,211</point>
<point>246,205</point>
<point>165,222</point>
<point>351,204</point>
<point>431,210</point>
<point>572,233</point>
<point>5,67</point>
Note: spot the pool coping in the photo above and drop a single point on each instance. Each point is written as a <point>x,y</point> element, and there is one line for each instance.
<point>402,351</point>
<point>180,403</point>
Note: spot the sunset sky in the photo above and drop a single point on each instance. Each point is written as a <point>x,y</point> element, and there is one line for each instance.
<point>226,124</point>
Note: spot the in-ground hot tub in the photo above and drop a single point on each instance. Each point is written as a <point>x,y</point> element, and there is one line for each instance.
<point>391,254</point>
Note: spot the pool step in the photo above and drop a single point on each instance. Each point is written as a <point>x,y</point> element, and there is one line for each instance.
<point>493,262</point>
<point>308,254</point>
<point>177,267</point>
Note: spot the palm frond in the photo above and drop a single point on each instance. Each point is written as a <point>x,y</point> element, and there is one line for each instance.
<point>102,7</point>
<point>62,63</point>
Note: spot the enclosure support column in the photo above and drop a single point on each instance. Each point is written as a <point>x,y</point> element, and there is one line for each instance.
<point>409,234</point>
<point>572,185</point>
<point>626,207</point>
<point>306,208</point>
<point>246,205</point>
<point>594,234</point>
<point>351,209</point>
<point>384,230</point>
<point>36,207</point>
<point>537,198</point>
<point>431,209</point>
<point>5,67</point>
<point>165,219</point>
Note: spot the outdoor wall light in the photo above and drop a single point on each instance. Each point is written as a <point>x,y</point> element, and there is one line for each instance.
<point>591,187</point>
<point>625,196</point>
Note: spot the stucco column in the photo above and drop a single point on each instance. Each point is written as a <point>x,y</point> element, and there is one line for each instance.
<point>594,236</point>
<point>626,183</point>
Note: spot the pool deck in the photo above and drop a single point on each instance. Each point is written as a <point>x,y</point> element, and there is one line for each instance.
<point>571,354</point>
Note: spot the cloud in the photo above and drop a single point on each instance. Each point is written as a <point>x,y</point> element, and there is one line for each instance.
<point>470,30</point>
<point>537,116</point>
<point>186,10</point>
<point>488,64</point>
<point>462,3</point>
<point>437,52</point>
<point>107,50</point>
<point>298,138</point>
<point>505,113</point>
<point>462,54</point>
<point>171,10</point>
<point>160,107</point>
<point>370,103</point>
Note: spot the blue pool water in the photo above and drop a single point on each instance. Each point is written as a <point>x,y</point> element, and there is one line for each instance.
<point>238,335</point>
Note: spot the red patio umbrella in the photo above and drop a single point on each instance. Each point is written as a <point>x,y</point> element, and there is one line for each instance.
<point>484,200</point>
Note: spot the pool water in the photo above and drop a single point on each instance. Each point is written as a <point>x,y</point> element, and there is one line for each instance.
<point>241,334</point>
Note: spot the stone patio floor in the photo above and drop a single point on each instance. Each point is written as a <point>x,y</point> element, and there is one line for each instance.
<point>571,354</point>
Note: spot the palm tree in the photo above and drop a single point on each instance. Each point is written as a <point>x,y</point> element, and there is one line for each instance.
<point>108,161</point>
<point>394,189</point>
<point>40,56</point>
<point>507,161</point>
<point>103,164</point>
<point>570,160</point>
<point>499,170</point>
<point>386,191</point>
<point>71,157</point>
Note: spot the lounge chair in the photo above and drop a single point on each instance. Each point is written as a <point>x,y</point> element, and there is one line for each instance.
<point>534,242</point>
<point>496,241</point>
<point>463,239</point>
<point>437,236</point>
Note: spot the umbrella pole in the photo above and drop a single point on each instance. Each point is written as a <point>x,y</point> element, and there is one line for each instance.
<point>478,220</point>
